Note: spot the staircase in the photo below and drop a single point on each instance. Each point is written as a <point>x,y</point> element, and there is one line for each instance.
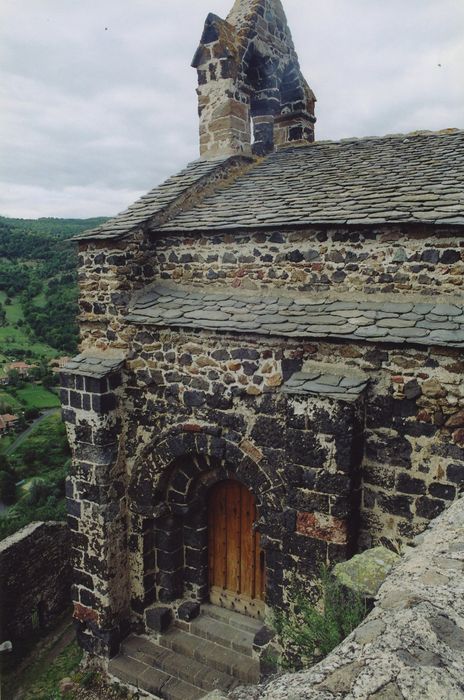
<point>214,651</point>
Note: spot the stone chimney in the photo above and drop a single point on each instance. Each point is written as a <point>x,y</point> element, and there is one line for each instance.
<point>252,95</point>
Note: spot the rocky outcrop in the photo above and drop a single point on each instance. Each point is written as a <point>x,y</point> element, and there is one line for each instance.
<point>411,646</point>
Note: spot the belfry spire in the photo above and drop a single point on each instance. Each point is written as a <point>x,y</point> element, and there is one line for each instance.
<point>252,94</point>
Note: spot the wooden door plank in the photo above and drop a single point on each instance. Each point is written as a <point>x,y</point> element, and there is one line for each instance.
<point>217,536</point>
<point>247,560</point>
<point>233,491</point>
<point>211,531</point>
<point>260,579</point>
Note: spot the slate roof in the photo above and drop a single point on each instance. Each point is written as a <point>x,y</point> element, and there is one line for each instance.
<point>345,387</point>
<point>90,366</point>
<point>422,322</point>
<point>155,202</point>
<point>399,178</point>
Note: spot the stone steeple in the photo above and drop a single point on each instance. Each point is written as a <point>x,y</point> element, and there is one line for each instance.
<point>251,92</point>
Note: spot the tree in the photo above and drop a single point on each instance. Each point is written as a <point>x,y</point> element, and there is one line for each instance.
<point>31,413</point>
<point>14,378</point>
<point>50,380</point>
<point>2,316</point>
<point>7,481</point>
<point>7,488</point>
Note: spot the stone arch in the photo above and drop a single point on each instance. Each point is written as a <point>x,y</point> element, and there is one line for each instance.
<point>157,470</point>
<point>168,493</point>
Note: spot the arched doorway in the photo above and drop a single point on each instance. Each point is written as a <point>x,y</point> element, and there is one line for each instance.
<point>236,565</point>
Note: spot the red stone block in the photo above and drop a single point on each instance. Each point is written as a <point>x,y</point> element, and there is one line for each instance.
<point>192,428</point>
<point>322,527</point>
<point>84,614</point>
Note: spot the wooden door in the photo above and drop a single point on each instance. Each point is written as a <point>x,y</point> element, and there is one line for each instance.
<point>236,561</point>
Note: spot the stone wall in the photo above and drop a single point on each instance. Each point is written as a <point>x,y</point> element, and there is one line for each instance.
<point>411,646</point>
<point>412,444</point>
<point>336,260</point>
<point>35,580</point>
<point>304,472</point>
<point>307,454</point>
<point>97,505</point>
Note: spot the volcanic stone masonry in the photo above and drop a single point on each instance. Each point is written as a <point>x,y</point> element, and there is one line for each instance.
<point>292,321</point>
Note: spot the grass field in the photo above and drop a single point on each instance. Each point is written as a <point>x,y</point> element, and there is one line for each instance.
<point>35,396</point>
<point>9,400</point>
<point>6,441</point>
<point>40,300</point>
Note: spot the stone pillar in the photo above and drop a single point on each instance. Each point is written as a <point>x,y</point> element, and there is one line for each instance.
<point>223,105</point>
<point>96,502</point>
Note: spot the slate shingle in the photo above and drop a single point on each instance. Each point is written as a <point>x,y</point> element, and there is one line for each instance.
<point>89,366</point>
<point>375,320</point>
<point>321,382</point>
<point>399,178</point>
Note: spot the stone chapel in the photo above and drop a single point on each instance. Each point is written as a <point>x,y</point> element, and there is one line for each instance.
<point>271,368</point>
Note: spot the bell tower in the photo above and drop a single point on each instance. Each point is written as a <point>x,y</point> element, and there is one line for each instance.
<point>252,96</point>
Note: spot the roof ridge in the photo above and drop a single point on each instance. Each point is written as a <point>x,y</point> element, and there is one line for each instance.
<point>452,131</point>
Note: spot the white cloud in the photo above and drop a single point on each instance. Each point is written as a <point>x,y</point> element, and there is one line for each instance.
<point>98,99</point>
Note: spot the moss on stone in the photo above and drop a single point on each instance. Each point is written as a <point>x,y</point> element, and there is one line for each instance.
<point>366,572</point>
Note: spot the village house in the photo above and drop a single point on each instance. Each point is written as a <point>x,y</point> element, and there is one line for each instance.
<point>7,422</point>
<point>21,367</point>
<point>270,376</point>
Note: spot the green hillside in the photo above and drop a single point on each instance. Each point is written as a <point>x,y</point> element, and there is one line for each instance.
<point>38,289</point>
<point>38,306</point>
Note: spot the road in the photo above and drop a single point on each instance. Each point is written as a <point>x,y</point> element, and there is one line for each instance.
<point>20,439</point>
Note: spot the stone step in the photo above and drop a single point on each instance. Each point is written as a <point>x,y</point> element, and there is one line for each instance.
<point>170,662</point>
<point>223,634</point>
<point>234,619</point>
<point>152,680</point>
<point>211,654</point>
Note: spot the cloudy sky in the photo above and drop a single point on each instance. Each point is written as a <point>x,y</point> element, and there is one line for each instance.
<point>98,104</point>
